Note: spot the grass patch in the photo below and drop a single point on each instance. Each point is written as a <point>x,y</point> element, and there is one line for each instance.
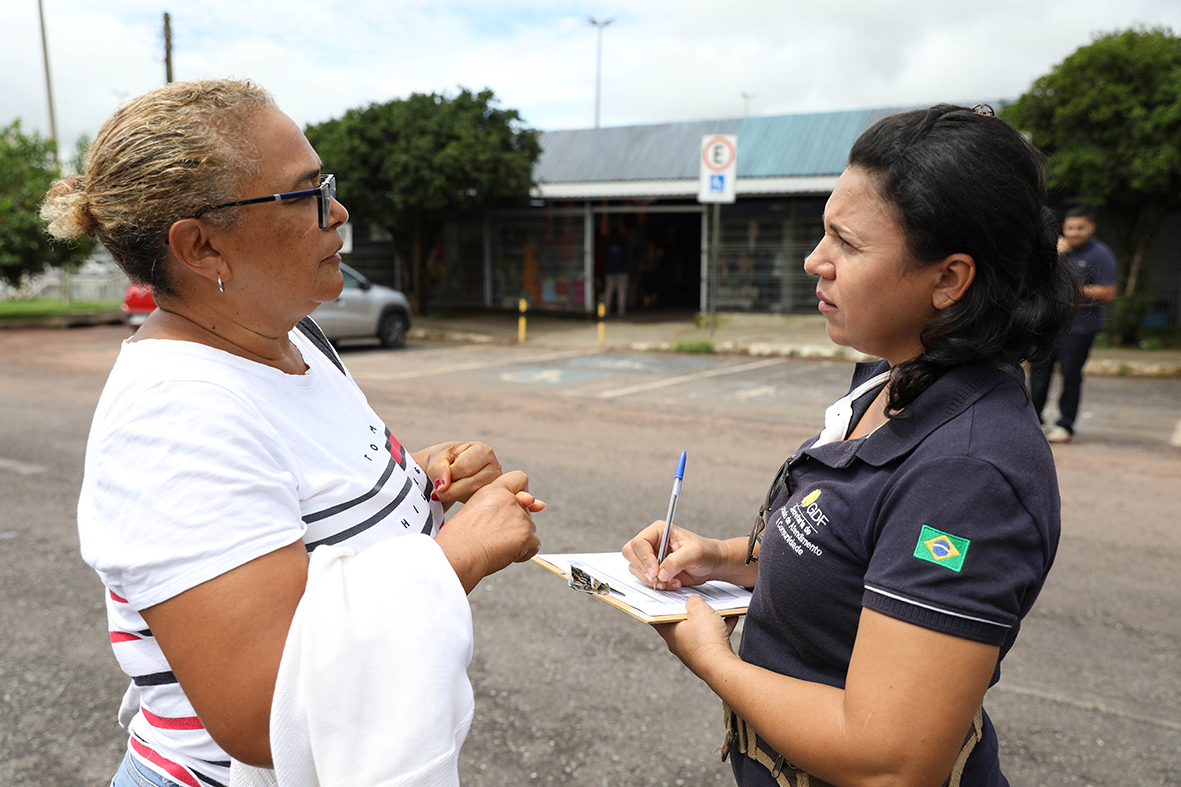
<point>1150,339</point>
<point>701,320</point>
<point>48,308</point>
<point>692,346</point>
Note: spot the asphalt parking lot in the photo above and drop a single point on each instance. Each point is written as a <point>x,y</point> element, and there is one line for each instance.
<point>568,690</point>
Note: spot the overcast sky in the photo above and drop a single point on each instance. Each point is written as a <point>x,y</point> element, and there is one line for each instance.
<point>663,60</point>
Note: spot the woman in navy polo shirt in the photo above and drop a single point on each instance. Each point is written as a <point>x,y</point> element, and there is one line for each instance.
<point>899,549</point>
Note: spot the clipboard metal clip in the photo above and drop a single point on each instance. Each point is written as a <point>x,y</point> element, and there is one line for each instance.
<point>581,580</point>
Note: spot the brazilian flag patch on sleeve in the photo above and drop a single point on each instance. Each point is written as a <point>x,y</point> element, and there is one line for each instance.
<point>942,549</point>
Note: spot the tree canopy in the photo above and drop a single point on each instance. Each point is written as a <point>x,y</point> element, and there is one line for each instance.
<point>28,166</point>
<point>407,164</point>
<point>1109,118</point>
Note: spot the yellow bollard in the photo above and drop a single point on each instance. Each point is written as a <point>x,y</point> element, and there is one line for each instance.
<point>602,326</point>
<point>521,321</point>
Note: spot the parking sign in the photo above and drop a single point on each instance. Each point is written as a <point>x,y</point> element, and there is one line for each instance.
<point>719,165</point>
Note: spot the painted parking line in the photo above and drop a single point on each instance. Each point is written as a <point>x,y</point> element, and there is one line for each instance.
<point>514,360</point>
<point>597,367</point>
<point>685,378</point>
<point>548,376</point>
<point>20,468</point>
<point>650,363</point>
<point>411,353</point>
<point>754,392</point>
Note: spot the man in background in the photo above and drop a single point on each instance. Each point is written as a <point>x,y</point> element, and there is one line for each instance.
<point>1095,265</point>
<point>616,278</point>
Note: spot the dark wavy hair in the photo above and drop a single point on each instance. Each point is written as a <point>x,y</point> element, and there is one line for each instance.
<point>965,182</point>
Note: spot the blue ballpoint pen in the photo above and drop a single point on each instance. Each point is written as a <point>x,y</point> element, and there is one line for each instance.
<point>672,507</point>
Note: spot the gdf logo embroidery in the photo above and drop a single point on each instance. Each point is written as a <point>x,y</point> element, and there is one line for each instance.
<point>800,524</point>
<point>942,549</point>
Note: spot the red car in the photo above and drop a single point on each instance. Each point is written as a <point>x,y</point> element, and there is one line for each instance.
<point>137,304</point>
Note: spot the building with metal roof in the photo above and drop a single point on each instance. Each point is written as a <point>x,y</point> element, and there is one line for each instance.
<point>786,154</point>
<point>638,185</point>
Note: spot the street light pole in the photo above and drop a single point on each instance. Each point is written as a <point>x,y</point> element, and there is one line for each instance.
<point>746,97</point>
<point>599,62</point>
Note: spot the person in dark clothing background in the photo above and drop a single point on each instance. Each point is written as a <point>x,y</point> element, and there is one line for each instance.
<point>1095,265</point>
<point>616,273</point>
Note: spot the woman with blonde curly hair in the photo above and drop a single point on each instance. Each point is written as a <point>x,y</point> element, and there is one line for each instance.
<point>279,589</point>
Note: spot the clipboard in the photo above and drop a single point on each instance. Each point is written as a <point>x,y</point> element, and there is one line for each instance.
<point>605,576</point>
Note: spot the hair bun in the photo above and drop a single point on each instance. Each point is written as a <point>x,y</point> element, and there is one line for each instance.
<point>67,209</point>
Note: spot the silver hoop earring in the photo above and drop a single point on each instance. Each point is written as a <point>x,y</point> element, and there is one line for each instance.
<point>220,286</point>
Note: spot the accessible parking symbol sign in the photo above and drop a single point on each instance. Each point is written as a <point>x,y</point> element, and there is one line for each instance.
<point>719,164</point>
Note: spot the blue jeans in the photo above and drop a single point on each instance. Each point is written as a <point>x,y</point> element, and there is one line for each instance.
<point>132,774</point>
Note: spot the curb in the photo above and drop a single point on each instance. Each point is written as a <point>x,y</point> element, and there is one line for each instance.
<point>460,337</point>
<point>1102,367</point>
<point>766,349</point>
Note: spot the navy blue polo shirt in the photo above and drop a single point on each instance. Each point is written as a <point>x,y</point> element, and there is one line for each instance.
<point>1095,264</point>
<point>947,518</point>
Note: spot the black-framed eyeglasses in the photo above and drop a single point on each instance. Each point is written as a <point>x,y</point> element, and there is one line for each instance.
<point>324,194</point>
<point>756,533</point>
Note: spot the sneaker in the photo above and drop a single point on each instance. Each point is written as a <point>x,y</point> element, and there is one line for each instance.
<point>1059,434</point>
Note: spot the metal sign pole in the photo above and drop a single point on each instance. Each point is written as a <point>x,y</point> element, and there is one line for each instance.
<point>716,237</point>
<point>716,184</point>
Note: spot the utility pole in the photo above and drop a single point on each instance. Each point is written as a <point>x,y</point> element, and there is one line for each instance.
<point>65,277</point>
<point>48,83</point>
<point>599,62</point>
<point>167,49</point>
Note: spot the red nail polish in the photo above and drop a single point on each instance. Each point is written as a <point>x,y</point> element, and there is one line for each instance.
<point>434,497</point>
<point>438,482</point>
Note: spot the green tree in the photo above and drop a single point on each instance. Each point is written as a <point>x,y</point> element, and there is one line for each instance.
<point>28,165</point>
<point>1109,117</point>
<point>407,164</point>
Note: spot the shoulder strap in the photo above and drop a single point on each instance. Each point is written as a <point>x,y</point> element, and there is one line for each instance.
<point>308,327</point>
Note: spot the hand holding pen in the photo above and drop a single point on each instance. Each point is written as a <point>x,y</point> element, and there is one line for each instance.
<point>692,559</point>
<point>678,477</point>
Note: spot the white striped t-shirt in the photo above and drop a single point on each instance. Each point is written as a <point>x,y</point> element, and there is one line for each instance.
<point>198,462</point>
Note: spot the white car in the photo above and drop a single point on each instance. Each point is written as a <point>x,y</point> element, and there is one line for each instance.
<point>365,310</point>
